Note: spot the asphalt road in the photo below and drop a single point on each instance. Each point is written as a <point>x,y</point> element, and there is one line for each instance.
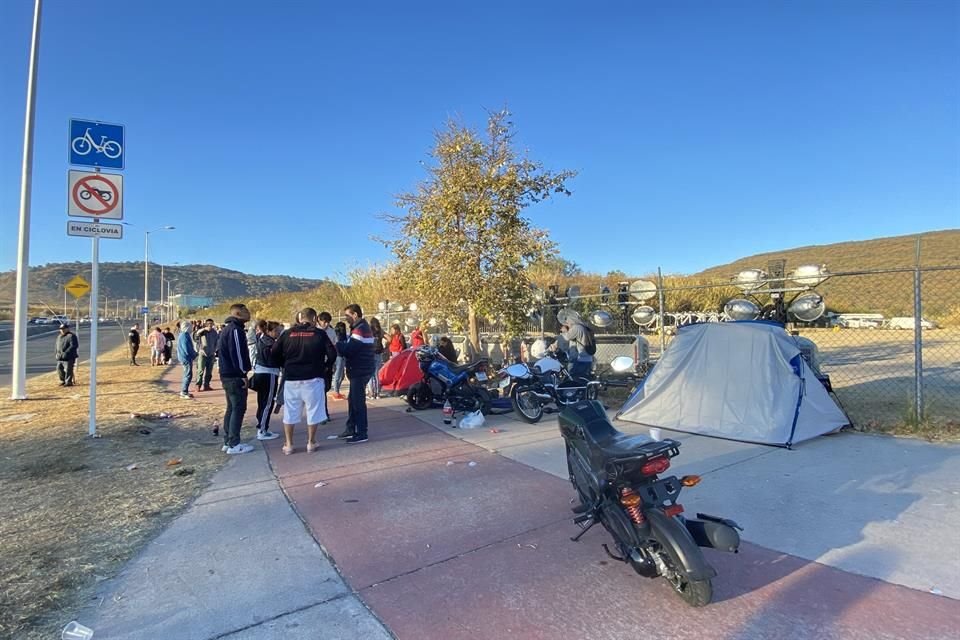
<point>40,350</point>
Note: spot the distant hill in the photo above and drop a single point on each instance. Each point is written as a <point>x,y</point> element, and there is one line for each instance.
<point>937,248</point>
<point>890,294</point>
<point>124,280</point>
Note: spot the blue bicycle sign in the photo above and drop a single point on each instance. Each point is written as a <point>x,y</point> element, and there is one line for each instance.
<point>96,144</point>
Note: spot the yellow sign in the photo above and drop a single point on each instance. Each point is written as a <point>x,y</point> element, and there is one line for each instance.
<point>78,287</point>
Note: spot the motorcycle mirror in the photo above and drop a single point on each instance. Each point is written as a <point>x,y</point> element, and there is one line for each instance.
<point>621,364</point>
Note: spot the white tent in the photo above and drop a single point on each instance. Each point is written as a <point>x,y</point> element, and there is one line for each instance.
<point>739,380</point>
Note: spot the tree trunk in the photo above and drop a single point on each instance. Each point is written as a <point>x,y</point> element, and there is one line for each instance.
<point>474,331</point>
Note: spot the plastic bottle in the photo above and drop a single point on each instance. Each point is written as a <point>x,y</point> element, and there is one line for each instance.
<point>447,412</point>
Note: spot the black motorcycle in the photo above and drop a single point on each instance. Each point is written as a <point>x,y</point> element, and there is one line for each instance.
<point>617,479</point>
<point>533,388</point>
<point>443,380</point>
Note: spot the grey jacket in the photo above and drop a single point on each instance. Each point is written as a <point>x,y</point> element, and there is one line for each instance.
<point>207,342</point>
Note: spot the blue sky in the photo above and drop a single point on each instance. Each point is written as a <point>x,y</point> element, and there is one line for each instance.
<point>272,134</point>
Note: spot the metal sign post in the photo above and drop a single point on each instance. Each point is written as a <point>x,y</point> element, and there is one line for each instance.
<point>94,327</point>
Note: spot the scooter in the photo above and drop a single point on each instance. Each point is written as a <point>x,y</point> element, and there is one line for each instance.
<point>618,482</point>
<point>443,381</point>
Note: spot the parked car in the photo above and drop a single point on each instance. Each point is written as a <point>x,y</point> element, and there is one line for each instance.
<point>58,319</point>
<point>38,320</point>
<point>910,323</point>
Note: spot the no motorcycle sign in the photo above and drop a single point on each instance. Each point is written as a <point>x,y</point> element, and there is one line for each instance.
<point>95,195</point>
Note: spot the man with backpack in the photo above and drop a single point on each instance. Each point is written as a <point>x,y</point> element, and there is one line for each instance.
<point>581,347</point>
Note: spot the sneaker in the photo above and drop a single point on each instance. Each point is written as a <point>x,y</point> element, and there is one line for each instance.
<point>224,448</point>
<point>339,396</point>
<point>267,435</point>
<point>186,396</point>
<point>356,439</point>
<point>207,388</point>
<point>346,434</point>
<point>240,448</point>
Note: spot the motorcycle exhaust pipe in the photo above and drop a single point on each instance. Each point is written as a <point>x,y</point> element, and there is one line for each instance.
<point>542,397</point>
<point>713,534</point>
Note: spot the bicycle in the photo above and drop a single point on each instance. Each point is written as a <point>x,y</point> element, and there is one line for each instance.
<point>82,145</point>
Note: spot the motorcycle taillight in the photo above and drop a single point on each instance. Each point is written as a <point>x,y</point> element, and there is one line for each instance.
<point>655,466</point>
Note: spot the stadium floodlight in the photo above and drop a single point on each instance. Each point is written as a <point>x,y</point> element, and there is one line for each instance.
<point>601,318</point>
<point>396,307</point>
<point>644,316</point>
<point>413,306</point>
<point>810,275</point>
<point>750,279</point>
<point>642,290</point>
<point>741,309</point>
<point>808,307</point>
<point>382,305</point>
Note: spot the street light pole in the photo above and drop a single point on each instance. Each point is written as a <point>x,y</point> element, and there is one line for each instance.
<point>146,272</point>
<point>19,383</point>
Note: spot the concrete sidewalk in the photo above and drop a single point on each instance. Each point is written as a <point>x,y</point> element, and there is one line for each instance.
<point>846,536</point>
<point>238,564</point>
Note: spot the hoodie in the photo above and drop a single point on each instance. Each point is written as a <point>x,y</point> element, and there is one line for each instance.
<point>185,350</point>
<point>234,356</point>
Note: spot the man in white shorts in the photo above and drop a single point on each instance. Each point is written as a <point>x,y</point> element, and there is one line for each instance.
<point>304,352</point>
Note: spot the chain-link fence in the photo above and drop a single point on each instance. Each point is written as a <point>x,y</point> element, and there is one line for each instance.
<point>889,359</point>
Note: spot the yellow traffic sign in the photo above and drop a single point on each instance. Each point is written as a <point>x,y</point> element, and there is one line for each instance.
<point>78,287</point>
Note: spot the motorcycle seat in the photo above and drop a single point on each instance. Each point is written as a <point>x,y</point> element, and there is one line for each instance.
<point>615,444</point>
<point>460,368</point>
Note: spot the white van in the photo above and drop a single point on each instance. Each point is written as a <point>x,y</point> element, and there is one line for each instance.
<point>909,323</point>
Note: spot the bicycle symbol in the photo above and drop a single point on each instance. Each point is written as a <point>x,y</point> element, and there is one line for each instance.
<point>105,194</point>
<point>82,145</point>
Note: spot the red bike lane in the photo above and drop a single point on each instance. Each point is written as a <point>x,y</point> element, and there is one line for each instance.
<point>443,539</point>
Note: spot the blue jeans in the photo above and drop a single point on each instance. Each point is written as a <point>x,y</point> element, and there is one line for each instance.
<point>375,378</point>
<point>338,374</point>
<point>581,369</point>
<point>357,406</point>
<point>236,392</point>
<point>187,376</point>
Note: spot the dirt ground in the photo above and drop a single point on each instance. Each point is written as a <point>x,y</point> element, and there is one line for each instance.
<point>74,509</point>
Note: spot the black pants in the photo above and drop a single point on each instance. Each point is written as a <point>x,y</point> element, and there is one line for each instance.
<point>65,371</point>
<point>266,386</point>
<point>204,372</point>
<point>327,382</point>
<point>236,392</point>
<point>133,353</point>
<point>357,402</point>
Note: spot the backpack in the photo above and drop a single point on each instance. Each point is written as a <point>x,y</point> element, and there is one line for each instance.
<point>589,340</point>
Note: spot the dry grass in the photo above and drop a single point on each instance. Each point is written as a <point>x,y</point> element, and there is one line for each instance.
<point>71,513</point>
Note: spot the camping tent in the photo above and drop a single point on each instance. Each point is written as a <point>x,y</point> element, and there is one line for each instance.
<point>400,373</point>
<point>739,380</point>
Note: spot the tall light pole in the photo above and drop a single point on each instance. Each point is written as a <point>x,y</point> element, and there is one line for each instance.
<point>18,389</point>
<point>146,274</point>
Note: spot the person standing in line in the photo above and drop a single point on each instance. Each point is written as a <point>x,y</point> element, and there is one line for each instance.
<point>169,339</point>
<point>397,341</point>
<point>68,348</point>
<point>157,344</point>
<point>416,337</point>
<point>186,354</point>
<point>304,352</point>
<point>207,348</point>
<point>323,321</point>
<point>341,332</point>
<point>133,344</point>
<point>265,373</point>
<point>379,349</point>
<point>234,360</point>
<point>358,353</point>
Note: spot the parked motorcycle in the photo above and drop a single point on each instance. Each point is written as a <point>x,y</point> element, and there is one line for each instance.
<point>533,388</point>
<point>617,479</point>
<point>443,380</point>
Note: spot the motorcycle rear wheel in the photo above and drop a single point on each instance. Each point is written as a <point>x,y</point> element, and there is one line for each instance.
<point>529,409</point>
<point>696,593</point>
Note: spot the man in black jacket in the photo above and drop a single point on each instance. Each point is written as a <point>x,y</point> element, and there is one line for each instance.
<point>67,351</point>
<point>358,353</point>
<point>133,344</point>
<point>234,359</point>
<point>305,353</point>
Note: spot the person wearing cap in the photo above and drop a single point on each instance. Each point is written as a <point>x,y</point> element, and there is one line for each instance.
<point>68,348</point>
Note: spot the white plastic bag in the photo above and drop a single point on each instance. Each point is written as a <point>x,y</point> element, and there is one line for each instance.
<point>472,420</point>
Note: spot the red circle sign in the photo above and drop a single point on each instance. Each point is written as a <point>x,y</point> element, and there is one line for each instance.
<point>93,197</point>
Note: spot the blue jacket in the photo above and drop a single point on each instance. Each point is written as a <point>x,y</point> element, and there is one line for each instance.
<point>186,352</point>
<point>358,350</point>
<point>232,352</point>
